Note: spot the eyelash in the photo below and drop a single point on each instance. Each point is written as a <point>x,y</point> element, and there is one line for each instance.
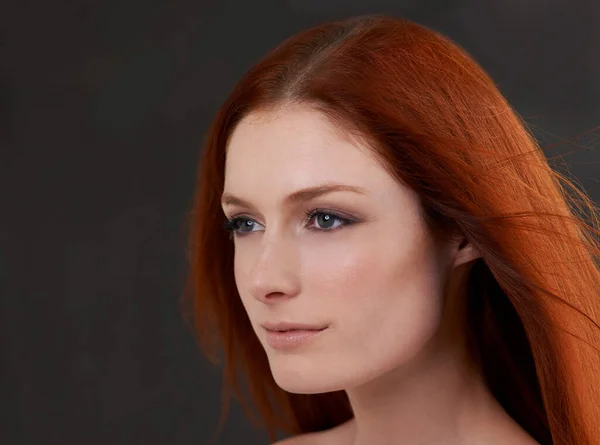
<point>230,224</point>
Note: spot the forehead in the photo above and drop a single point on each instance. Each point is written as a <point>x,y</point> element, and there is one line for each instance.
<point>297,146</point>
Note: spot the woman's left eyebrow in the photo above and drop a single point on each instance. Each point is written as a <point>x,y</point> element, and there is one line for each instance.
<point>299,196</point>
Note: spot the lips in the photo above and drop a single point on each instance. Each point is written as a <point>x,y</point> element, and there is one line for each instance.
<point>289,337</point>
<point>293,330</point>
<point>286,327</point>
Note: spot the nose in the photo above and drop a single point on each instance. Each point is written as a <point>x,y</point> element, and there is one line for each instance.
<point>273,275</point>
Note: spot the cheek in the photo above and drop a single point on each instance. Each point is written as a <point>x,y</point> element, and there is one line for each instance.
<point>383,300</point>
<point>352,284</point>
<point>370,272</point>
<point>241,269</point>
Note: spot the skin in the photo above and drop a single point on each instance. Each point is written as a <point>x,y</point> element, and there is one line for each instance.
<point>393,300</point>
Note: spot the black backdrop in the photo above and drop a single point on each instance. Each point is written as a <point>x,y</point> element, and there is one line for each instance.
<point>103,107</point>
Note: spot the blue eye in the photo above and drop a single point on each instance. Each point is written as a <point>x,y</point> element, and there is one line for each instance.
<point>238,225</point>
<point>325,222</point>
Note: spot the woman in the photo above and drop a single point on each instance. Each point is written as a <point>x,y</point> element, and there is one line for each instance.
<point>400,264</point>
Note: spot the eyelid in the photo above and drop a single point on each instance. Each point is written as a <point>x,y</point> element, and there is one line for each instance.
<point>341,216</point>
<point>346,220</point>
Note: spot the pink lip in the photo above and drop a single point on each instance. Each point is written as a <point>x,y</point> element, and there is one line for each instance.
<point>283,326</point>
<point>291,338</point>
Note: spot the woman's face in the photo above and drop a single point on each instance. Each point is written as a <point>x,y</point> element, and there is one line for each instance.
<point>365,268</point>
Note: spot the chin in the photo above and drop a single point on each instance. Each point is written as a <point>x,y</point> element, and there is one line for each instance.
<point>304,386</point>
<point>298,378</point>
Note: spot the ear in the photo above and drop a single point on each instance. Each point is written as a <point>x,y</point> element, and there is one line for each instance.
<point>463,252</point>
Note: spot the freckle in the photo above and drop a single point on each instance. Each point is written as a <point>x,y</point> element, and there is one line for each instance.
<point>350,271</point>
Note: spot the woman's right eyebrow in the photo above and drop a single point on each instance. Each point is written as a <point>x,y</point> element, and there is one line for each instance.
<point>299,196</point>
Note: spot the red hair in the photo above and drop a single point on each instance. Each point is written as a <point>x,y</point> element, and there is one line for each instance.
<point>441,127</point>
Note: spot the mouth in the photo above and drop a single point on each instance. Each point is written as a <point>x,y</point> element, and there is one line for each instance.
<point>288,327</point>
<point>295,330</point>
<point>290,339</point>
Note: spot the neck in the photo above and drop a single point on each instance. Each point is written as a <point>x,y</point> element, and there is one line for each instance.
<point>439,399</point>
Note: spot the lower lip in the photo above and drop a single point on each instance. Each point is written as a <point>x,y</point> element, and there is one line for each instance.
<point>291,339</point>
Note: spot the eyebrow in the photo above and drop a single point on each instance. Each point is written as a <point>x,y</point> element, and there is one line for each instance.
<point>299,196</point>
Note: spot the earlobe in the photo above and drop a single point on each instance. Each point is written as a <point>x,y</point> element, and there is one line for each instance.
<point>465,253</point>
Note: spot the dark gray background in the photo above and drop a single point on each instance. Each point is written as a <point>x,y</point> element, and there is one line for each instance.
<point>103,108</point>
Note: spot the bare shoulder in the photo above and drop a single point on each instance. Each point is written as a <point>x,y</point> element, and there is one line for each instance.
<point>304,439</point>
<point>334,436</point>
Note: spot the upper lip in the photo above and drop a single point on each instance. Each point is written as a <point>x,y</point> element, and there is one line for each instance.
<point>283,326</point>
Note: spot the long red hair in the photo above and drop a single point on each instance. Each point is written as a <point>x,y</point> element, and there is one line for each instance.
<point>441,126</point>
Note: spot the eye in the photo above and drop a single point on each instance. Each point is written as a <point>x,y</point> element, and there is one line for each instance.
<point>239,225</point>
<point>326,220</point>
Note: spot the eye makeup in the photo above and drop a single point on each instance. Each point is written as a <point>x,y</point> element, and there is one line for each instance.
<point>237,224</point>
